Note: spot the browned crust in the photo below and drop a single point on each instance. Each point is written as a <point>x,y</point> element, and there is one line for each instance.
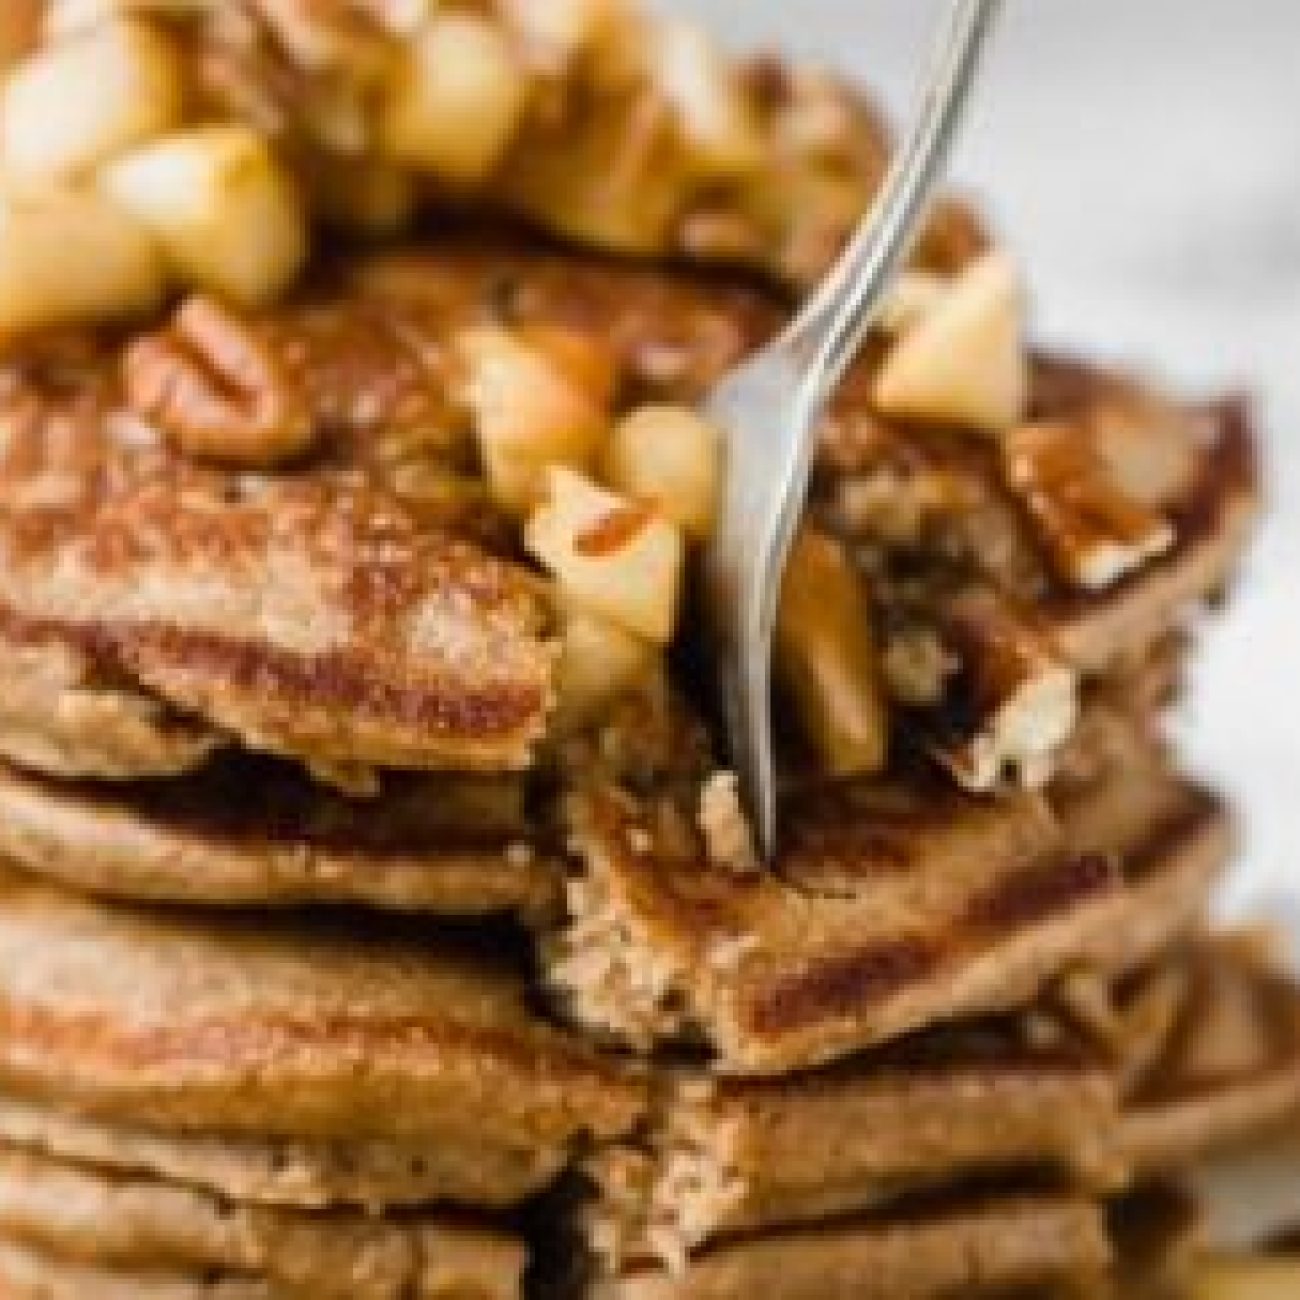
<point>1060,913</point>
<point>368,691</point>
<point>289,702</point>
<point>727,1157</point>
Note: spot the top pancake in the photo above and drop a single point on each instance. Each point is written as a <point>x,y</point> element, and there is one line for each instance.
<point>338,612</point>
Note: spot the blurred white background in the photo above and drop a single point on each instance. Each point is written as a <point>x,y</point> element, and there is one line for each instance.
<point>1143,159</point>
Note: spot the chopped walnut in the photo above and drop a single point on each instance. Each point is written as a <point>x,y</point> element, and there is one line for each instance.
<point>1020,699</point>
<point>217,390</point>
<point>1095,532</point>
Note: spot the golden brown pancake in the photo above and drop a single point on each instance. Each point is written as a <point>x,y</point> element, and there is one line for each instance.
<point>306,615</point>
<point>298,1173</point>
<point>344,612</point>
<point>725,1157</point>
<point>180,1025</point>
<point>889,908</point>
<point>989,1248</point>
<point>248,832</point>
<point>64,1227</point>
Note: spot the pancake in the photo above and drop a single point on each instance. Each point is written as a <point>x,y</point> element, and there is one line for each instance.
<point>58,714</point>
<point>305,616</point>
<point>991,1248</point>
<point>1230,1068</point>
<point>244,832</point>
<point>728,1157</point>
<point>195,606</point>
<point>298,1173</point>
<point>63,1227</point>
<point>180,1025</point>
<point>889,909</point>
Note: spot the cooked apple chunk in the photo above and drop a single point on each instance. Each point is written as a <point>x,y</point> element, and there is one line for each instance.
<point>714,115</point>
<point>599,661</point>
<point>225,213</point>
<point>964,360</point>
<point>610,555</point>
<point>85,100</point>
<point>69,257</point>
<point>536,402</point>
<point>826,657</point>
<point>456,101</point>
<point>668,455</point>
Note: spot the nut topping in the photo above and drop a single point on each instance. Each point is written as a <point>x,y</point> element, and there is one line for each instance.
<point>1021,700</point>
<point>1095,532</point>
<point>217,390</point>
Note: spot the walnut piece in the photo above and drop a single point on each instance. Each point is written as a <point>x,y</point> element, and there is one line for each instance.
<point>1021,700</point>
<point>217,390</point>
<point>1094,531</point>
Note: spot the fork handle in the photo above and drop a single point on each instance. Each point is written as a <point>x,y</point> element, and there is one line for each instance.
<point>829,333</point>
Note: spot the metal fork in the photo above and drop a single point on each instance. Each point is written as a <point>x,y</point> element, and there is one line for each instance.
<point>768,410</point>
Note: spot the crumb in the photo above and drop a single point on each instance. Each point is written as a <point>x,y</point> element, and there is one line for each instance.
<point>641,840</point>
<point>725,828</point>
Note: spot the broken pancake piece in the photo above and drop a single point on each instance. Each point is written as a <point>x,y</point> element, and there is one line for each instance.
<point>178,1026</point>
<point>64,1226</point>
<point>245,832</point>
<point>890,908</point>
<point>724,1157</point>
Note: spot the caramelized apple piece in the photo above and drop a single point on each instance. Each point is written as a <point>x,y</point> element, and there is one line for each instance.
<point>669,456</point>
<point>964,361</point>
<point>612,556</point>
<point>536,403</point>
<point>69,257</point>
<point>826,657</point>
<point>225,213</point>
<point>87,99</point>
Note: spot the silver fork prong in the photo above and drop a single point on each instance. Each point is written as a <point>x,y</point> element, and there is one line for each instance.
<point>768,411</point>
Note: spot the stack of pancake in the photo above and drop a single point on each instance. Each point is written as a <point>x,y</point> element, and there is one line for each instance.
<point>378,918</point>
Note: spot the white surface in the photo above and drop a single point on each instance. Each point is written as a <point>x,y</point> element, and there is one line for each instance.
<point>1144,160</point>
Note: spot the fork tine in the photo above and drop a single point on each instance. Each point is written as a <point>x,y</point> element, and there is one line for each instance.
<point>768,411</point>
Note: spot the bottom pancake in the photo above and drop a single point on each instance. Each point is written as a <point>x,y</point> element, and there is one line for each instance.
<point>70,1232</point>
